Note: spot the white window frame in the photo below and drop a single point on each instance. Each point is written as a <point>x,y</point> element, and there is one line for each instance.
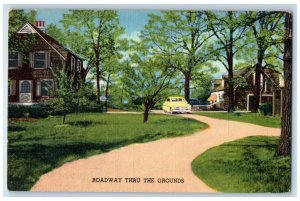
<point>42,87</point>
<point>20,86</point>
<point>78,65</point>
<point>19,60</point>
<point>46,59</point>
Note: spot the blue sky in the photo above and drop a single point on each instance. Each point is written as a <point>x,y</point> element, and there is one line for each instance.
<point>133,20</point>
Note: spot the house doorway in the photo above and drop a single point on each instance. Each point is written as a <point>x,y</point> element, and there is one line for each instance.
<point>25,95</point>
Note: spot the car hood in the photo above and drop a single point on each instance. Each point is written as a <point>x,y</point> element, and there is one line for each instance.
<point>180,104</point>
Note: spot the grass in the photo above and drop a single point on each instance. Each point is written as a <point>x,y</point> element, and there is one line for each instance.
<point>38,146</point>
<point>253,118</point>
<point>248,165</point>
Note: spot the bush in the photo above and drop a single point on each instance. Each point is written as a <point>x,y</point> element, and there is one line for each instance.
<point>16,111</point>
<point>266,109</point>
<point>38,111</point>
<point>32,111</point>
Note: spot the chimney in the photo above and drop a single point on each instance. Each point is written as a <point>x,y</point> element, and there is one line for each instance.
<point>41,25</point>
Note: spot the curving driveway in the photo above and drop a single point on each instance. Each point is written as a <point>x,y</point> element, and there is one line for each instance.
<point>165,158</point>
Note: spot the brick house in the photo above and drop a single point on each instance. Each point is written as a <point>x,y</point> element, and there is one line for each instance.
<point>31,71</point>
<point>244,79</point>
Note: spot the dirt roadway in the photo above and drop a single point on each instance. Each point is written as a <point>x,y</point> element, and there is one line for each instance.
<point>165,158</point>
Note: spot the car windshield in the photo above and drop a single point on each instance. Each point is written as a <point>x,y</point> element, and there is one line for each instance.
<point>177,99</point>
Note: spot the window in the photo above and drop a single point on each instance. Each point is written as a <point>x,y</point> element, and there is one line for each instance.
<point>46,87</point>
<point>13,59</point>
<point>78,65</point>
<point>39,60</point>
<point>72,63</point>
<point>25,87</point>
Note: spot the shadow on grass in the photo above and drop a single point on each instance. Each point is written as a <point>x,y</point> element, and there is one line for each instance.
<point>26,163</point>
<point>14,128</point>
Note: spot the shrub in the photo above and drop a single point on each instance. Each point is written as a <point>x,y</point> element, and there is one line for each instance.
<point>16,111</point>
<point>266,109</point>
<point>32,111</point>
<point>37,111</point>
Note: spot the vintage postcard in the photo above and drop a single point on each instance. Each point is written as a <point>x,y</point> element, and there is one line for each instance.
<point>149,101</point>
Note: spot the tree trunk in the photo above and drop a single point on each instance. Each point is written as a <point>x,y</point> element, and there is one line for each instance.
<point>106,91</point>
<point>64,118</point>
<point>98,83</point>
<point>257,88</point>
<point>230,72</point>
<point>284,146</point>
<point>230,92</point>
<point>187,78</point>
<point>121,99</point>
<point>146,113</point>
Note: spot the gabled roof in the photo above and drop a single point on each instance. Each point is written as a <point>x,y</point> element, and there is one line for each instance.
<point>54,44</point>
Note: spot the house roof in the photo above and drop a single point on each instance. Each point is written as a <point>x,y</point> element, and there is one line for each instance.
<point>218,85</point>
<point>60,49</point>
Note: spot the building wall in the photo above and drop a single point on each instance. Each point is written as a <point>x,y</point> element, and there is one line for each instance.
<point>242,92</point>
<point>27,72</point>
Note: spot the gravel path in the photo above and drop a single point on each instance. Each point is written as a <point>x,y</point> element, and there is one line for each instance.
<point>162,159</point>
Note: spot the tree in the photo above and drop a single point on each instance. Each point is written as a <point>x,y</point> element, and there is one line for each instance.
<point>65,96</point>
<point>91,33</point>
<point>267,29</point>
<point>182,37</point>
<point>148,79</point>
<point>284,146</point>
<point>18,18</point>
<point>228,28</point>
<point>58,34</point>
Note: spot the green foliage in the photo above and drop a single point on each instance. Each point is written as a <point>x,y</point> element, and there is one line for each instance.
<point>57,34</point>
<point>183,39</point>
<point>95,35</point>
<point>32,111</point>
<point>18,18</point>
<point>248,165</point>
<point>253,118</point>
<point>68,99</point>
<point>35,148</point>
<point>266,109</point>
<point>147,79</point>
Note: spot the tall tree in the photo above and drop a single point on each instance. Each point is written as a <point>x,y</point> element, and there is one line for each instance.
<point>92,29</point>
<point>284,146</point>
<point>55,32</point>
<point>148,79</point>
<point>182,38</point>
<point>267,29</point>
<point>228,28</point>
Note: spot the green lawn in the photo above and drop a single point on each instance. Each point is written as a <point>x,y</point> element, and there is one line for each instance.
<point>36,147</point>
<point>253,118</point>
<point>245,166</point>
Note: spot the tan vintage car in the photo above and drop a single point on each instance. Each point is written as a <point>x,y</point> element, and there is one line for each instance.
<point>176,105</point>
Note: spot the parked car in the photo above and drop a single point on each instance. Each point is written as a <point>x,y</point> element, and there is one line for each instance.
<point>194,102</point>
<point>176,105</point>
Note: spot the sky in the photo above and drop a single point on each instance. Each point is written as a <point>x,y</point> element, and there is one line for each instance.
<point>132,20</point>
